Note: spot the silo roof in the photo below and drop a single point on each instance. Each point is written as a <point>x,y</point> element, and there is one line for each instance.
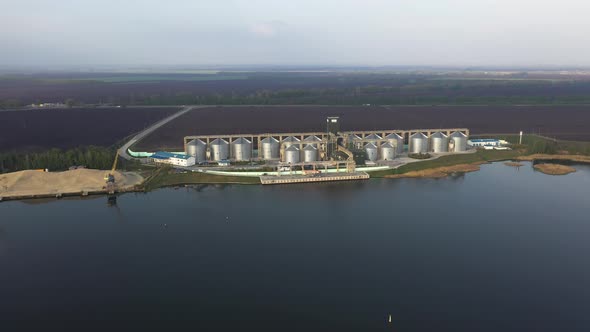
<point>270,140</point>
<point>370,145</point>
<point>438,134</point>
<point>312,138</point>
<point>386,145</point>
<point>196,142</point>
<point>241,140</point>
<point>394,135</point>
<point>373,137</point>
<point>309,147</point>
<point>291,139</point>
<point>292,148</point>
<point>219,141</point>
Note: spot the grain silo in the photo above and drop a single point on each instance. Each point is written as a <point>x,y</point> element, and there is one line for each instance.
<point>313,140</point>
<point>439,142</point>
<point>287,142</point>
<point>418,143</point>
<point>396,141</point>
<point>292,154</point>
<point>198,149</point>
<point>219,149</point>
<point>371,151</point>
<point>387,151</point>
<point>242,149</point>
<point>310,153</point>
<point>458,141</point>
<point>270,148</point>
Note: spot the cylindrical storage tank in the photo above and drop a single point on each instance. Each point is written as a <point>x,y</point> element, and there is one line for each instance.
<point>310,153</point>
<point>219,149</point>
<point>198,149</point>
<point>287,142</point>
<point>418,143</point>
<point>292,154</point>
<point>371,151</point>
<point>242,149</point>
<point>459,141</point>
<point>387,151</point>
<point>439,142</point>
<point>397,142</point>
<point>313,140</point>
<point>270,148</point>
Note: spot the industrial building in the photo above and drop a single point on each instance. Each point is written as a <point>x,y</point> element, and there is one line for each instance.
<point>378,146</point>
<point>174,159</point>
<point>482,142</point>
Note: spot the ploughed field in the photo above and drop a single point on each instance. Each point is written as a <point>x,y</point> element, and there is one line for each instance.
<point>562,122</point>
<point>68,128</point>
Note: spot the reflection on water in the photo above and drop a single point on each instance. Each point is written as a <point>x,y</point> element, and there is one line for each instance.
<point>494,250</point>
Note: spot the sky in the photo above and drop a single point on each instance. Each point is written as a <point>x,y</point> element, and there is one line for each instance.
<point>296,32</point>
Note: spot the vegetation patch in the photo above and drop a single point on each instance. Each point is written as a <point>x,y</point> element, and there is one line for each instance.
<point>439,172</point>
<point>419,155</point>
<point>554,169</point>
<point>167,177</point>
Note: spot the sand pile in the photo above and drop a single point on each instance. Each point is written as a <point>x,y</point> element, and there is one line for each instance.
<point>25,183</point>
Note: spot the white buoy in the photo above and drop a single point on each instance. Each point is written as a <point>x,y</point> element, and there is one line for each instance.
<point>389,318</point>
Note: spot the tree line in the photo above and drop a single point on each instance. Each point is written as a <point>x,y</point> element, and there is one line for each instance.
<point>57,159</point>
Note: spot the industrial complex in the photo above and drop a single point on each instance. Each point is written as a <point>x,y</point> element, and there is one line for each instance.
<point>310,156</point>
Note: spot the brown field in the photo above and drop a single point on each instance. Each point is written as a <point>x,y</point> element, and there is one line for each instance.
<point>563,122</point>
<point>68,128</point>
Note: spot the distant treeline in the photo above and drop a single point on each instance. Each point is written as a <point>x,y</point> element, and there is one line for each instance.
<point>58,160</point>
<point>375,95</point>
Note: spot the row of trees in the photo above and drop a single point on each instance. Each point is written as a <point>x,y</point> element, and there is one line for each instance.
<point>58,160</point>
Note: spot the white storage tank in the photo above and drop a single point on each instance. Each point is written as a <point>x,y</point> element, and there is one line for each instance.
<point>242,149</point>
<point>371,151</point>
<point>439,142</point>
<point>387,151</point>
<point>270,148</point>
<point>292,154</point>
<point>396,141</point>
<point>310,153</point>
<point>198,149</point>
<point>418,143</point>
<point>219,149</point>
<point>459,142</point>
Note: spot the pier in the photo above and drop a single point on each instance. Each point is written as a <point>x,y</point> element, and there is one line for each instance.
<point>286,179</point>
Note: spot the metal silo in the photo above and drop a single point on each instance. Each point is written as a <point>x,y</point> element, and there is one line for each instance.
<point>197,149</point>
<point>356,141</point>
<point>418,143</point>
<point>371,151</point>
<point>439,142</point>
<point>242,149</point>
<point>373,138</point>
<point>459,141</point>
<point>219,149</point>
<point>292,154</point>
<point>396,141</point>
<point>310,153</point>
<point>387,151</point>
<point>314,140</point>
<point>287,142</point>
<point>270,148</point>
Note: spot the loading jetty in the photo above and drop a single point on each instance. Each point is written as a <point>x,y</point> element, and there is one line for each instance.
<point>287,179</point>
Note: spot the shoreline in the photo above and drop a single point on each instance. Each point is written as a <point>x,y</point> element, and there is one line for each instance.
<point>436,172</point>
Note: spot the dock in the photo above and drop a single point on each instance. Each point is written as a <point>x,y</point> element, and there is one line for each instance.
<point>287,179</point>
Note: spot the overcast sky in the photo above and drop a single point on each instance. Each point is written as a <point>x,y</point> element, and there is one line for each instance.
<point>298,32</point>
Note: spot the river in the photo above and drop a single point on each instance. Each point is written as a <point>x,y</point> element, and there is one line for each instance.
<point>500,249</point>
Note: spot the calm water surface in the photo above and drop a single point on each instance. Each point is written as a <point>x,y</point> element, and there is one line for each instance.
<point>496,250</point>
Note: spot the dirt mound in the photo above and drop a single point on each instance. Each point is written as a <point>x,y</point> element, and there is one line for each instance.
<point>30,182</point>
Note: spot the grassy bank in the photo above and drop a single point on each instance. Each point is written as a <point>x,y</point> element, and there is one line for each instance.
<point>166,177</point>
<point>480,156</point>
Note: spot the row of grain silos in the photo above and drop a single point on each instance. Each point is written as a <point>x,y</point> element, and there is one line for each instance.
<point>437,142</point>
<point>293,154</point>
<point>384,151</point>
<point>241,149</point>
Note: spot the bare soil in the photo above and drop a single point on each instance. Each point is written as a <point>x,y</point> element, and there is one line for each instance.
<point>32,182</point>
